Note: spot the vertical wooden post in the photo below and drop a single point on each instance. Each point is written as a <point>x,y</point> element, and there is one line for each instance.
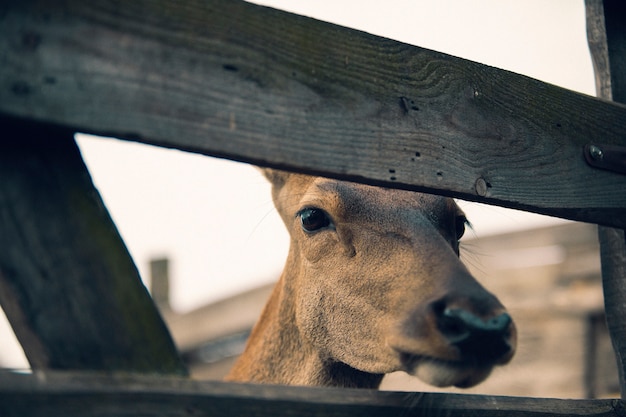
<point>160,282</point>
<point>606,34</point>
<point>613,255</point>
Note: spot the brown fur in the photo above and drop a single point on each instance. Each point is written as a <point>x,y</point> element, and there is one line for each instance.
<point>355,301</point>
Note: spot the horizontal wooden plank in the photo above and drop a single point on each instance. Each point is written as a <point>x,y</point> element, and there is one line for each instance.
<point>67,283</point>
<point>232,79</point>
<point>80,394</point>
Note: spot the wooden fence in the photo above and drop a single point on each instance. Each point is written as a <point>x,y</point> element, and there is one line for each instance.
<point>231,79</point>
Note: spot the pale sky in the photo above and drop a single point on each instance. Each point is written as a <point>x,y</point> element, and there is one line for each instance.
<point>215,219</point>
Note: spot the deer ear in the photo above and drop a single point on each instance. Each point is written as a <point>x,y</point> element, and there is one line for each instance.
<point>275,176</point>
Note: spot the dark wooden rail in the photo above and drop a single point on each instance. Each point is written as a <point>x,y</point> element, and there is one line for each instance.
<point>89,394</point>
<point>230,79</point>
<point>236,80</point>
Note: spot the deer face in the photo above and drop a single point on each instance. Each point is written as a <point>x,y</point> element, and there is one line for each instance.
<point>378,284</point>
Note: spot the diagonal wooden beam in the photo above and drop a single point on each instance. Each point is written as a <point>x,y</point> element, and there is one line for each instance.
<point>67,283</point>
<point>232,79</point>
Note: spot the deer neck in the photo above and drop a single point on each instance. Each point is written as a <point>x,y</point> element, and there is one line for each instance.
<point>277,353</point>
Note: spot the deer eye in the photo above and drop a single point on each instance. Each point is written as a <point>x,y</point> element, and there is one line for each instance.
<point>461,222</point>
<point>313,219</point>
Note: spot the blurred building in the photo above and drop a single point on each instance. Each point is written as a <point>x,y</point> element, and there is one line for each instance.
<point>548,278</point>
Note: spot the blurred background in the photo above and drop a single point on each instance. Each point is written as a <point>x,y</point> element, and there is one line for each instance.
<point>207,242</point>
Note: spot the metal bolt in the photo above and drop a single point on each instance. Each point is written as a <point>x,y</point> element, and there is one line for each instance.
<point>481,187</point>
<point>596,153</point>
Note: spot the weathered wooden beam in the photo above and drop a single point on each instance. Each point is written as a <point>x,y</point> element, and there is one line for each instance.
<point>606,33</point>
<point>232,79</point>
<point>67,283</point>
<point>81,394</point>
<point>613,258</point>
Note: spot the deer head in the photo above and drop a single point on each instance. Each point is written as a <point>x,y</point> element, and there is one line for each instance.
<point>373,284</point>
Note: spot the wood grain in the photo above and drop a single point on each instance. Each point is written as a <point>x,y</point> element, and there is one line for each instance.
<point>606,34</point>
<point>613,258</point>
<point>76,394</point>
<point>67,283</point>
<point>231,79</point>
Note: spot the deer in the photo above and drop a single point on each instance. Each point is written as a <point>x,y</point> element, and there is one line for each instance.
<point>372,284</point>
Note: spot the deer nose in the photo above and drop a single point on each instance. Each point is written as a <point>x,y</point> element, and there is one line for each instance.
<point>477,338</point>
